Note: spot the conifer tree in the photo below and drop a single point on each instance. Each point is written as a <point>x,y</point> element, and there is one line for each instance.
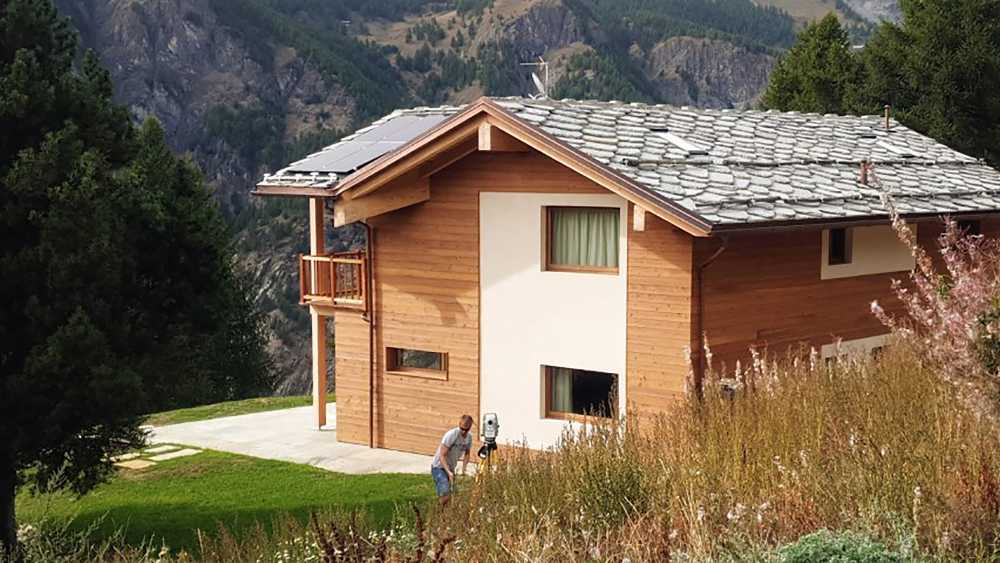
<point>817,74</point>
<point>115,268</point>
<point>940,71</point>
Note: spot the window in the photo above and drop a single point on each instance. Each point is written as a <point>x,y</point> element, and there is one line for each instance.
<point>840,247</point>
<point>419,363</point>
<point>969,228</point>
<point>581,239</point>
<point>572,394</point>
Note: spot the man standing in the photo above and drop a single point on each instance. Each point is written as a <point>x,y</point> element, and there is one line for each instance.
<point>454,444</point>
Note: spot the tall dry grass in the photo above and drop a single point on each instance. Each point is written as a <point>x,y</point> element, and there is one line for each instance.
<point>878,446</point>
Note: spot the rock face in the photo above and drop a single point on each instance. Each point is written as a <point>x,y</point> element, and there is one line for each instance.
<point>708,73</point>
<point>877,10</point>
<point>174,59</point>
<point>180,60</point>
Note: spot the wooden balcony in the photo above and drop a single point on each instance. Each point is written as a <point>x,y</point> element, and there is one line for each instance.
<point>335,280</point>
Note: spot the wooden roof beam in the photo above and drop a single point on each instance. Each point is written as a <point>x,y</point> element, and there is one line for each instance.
<point>449,157</point>
<point>493,139</point>
<point>406,190</point>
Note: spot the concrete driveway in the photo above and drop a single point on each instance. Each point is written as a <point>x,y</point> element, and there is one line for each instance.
<point>289,435</point>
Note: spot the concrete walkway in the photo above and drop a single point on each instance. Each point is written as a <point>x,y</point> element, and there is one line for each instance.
<point>289,435</point>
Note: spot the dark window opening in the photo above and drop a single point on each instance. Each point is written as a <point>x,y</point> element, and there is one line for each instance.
<point>572,393</point>
<point>839,247</point>
<point>969,228</point>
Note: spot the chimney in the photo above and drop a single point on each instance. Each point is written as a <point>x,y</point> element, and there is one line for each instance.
<point>865,166</point>
<point>888,114</point>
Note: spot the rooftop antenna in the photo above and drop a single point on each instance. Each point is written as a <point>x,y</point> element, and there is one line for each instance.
<point>543,87</point>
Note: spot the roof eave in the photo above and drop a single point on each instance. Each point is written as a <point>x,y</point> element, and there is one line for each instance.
<point>861,221</point>
<point>278,190</point>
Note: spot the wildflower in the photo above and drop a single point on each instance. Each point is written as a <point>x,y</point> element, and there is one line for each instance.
<point>736,512</point>
<point>26,533</point>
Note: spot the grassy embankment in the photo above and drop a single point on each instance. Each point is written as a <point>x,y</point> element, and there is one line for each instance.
<point>169,502</point>
<point>231,408</point>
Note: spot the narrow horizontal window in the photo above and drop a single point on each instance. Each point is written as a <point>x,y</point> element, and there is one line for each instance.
<point>581,239</point>
<point>417,362</point>
<point>576,393</point>
<point>839,247</point>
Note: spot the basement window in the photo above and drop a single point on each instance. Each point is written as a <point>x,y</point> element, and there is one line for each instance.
<point>581,239</point>
<point>574,394</point>
<point>839,248</point>
<point>419,363</point>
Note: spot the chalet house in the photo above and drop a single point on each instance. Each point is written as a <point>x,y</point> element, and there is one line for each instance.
<point>541,259</point>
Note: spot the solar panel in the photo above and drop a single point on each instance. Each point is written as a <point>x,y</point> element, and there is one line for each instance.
<point>348,156</point>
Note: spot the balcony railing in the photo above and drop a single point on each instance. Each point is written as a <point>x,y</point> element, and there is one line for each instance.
<point>338,279</point>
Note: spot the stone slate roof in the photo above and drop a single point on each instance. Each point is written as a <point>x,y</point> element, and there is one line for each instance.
<point>735,168</point>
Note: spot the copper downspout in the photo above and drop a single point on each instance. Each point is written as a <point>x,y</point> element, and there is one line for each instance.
<point>700,273</point>
<point>370,317</point>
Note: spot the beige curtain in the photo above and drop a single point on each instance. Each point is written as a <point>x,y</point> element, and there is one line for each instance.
<point>584,236</point>
<point>562,389</point>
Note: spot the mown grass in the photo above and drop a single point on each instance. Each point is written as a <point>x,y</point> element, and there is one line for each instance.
<point>230,408</point>
<point>170,501</point>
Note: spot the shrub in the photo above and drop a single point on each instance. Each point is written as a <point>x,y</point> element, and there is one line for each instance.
<point>950,307</point>
<point>837,547</point>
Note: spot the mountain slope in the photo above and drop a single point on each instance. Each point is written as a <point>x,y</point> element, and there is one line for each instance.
<point>245,86</point>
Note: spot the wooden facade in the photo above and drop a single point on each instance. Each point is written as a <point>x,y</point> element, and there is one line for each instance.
<point>426,297</point>
<point>752,289</point>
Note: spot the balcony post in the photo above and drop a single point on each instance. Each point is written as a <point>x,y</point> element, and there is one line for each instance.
<point>317,247</point>
<point>319,366</point>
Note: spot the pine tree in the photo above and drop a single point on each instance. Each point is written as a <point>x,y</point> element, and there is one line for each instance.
<point>940,70</point>
<point>818,74</point>
<point>117,276</point>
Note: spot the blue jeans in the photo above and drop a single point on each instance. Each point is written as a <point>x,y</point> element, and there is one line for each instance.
<point>441,482</point>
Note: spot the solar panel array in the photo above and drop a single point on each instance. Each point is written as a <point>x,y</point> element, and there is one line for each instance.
<point>349,155</point>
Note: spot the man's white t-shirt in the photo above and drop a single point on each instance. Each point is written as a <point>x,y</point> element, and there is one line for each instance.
<point>456,448</point>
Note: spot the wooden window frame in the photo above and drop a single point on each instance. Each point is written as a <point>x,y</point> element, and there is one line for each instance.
<point>571,416</point>
<point>392,366</point>
<point>547,264</point>
<point>848,247</point>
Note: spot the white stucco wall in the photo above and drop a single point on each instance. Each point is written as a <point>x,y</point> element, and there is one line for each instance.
<point>530,317</point>
<point>874,250</point>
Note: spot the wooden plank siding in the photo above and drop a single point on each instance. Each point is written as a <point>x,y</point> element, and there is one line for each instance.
<point>427,298</point>
<point>351,375</point>
<point>659,314</point>
<point>765,291</point>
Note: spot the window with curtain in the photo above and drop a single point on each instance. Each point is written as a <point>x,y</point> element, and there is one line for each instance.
<point>575,393</point>
<point>583,239</point>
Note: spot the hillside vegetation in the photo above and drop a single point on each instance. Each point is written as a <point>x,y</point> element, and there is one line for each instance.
<point>246,86</point>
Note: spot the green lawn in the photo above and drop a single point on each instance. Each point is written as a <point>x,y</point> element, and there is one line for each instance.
<point>231,408</point>
<point>173,499</point>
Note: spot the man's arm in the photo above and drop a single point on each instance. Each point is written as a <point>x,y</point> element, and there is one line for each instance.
<point>443,456</point>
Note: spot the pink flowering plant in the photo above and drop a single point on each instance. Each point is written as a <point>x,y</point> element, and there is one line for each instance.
<point>951,307</point>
